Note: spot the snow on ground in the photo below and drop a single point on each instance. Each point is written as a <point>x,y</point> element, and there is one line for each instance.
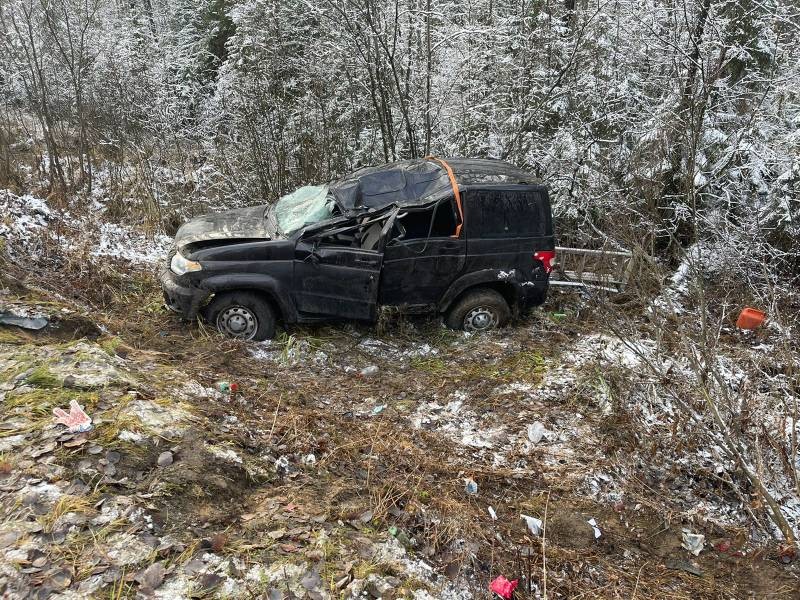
<point>118,241</point>
<point>23,220</point>
<point>29,226</point>
<point>459,424</point>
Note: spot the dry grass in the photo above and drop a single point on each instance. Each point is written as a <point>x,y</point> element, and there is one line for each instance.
<point>381,464</point>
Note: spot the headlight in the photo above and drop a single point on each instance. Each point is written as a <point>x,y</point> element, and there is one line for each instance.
<point>179,265</point>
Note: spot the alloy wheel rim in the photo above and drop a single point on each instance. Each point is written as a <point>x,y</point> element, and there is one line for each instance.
<point>237,321</point>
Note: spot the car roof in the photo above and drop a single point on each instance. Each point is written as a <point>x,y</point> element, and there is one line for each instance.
<point>419,181</point>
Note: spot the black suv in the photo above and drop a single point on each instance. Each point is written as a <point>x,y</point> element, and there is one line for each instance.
<point>470,239</point>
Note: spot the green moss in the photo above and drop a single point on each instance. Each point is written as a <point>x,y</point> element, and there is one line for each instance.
<point>110,345</point>
<point>521,366</point>
<point>9,336</point>
<point>40,403</point>
<point>435,366</point>
<point>41,377</point>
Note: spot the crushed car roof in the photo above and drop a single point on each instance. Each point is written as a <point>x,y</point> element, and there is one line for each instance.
<point>408,182</point>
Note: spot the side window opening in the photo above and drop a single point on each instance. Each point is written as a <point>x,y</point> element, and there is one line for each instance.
<point>505,213</point>
<point>435,221</point>
<point>343,238</point>
<point>365,235</point>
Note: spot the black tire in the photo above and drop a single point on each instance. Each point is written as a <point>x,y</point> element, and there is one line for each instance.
<point>249,313</point>
<point>476,306</point>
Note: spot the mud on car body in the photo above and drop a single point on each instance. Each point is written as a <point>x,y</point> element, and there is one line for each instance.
<point>470,239</point>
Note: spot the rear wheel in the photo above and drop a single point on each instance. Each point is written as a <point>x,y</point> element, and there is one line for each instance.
<point>479,310</point>
<point>242,315</point>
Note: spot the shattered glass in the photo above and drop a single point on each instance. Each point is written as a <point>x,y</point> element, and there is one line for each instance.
<point>306,205</point>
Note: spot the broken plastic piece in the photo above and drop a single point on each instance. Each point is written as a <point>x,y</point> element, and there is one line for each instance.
<point>37,323</point>
<point>503,587</point>
<point>534,524</point>
<point>693,542</point>
<point>750,318</point>
<point>492,514</point>
<point>226,387</point>
<point>723,545</point>
<point>470,486</point>
<point>282,465</point>
<point>369,371</point>
<point>76,420</point>
<point>536,432</point>
<point>595,528</point>
<point>683,565</point>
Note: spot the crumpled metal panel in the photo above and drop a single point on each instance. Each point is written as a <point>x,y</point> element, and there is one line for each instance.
<point>411,182</point>
<point>241,223</point>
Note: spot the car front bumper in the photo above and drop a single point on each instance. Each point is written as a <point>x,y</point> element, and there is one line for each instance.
<point>183,299</point>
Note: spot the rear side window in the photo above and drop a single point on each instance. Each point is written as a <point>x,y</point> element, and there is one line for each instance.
<point>505,213</point>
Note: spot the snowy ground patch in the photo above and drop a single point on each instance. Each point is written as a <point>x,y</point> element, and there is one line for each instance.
<point>29,225</point>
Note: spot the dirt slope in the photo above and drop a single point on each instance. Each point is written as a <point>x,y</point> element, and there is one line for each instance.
<point>342,462</point>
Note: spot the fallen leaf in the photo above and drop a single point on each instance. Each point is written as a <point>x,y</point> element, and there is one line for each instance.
<point>151,577</point>
<point>218,542</point>
<point>76,442</point>
<point>46,449</point>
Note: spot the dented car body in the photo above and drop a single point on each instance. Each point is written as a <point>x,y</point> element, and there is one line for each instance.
<point>470,239</point>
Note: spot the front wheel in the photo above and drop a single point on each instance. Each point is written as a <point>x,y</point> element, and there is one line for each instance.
<point>242,315</point>
<point>479,310</point>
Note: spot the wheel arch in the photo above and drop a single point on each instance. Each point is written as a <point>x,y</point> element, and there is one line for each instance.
<point>485,279</point>
<point>268,288</point>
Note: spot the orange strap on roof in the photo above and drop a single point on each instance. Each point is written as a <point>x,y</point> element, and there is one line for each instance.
<point>456,192</point>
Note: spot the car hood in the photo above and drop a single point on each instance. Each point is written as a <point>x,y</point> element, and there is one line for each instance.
<point>239,223</point>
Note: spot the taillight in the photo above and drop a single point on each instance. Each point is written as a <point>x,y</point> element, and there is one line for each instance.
<point>547,257</point>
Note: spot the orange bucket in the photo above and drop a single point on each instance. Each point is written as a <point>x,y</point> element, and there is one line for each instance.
<point>750,318</point>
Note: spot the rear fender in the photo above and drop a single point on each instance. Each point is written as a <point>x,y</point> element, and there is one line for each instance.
<point>504,282</point>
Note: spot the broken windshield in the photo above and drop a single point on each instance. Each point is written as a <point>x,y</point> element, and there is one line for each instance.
<point>304,206</point>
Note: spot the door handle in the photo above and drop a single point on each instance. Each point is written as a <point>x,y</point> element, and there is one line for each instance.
<point>363,261</point>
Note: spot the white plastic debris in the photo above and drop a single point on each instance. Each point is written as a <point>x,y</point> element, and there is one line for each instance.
<point>595,528</point>
<point>536,432</point>
<point>369,371</point>
<point>309,459</point>
<point>534,524</point>
<point>492,514</point>
<point>281,465</point>
<point>693,542</point>
<point>470,486</point>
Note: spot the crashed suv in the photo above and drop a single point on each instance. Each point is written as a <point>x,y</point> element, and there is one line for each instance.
<point>469,239</point>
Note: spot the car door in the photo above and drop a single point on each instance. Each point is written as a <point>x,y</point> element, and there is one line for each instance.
<point>333,279</point>
<point>422,257</point>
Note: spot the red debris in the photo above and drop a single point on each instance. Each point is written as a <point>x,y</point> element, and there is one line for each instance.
<point>503,587</point>
<point>723,546</point>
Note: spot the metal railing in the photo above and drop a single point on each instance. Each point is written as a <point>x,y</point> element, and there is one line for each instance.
<point>608,270</point>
